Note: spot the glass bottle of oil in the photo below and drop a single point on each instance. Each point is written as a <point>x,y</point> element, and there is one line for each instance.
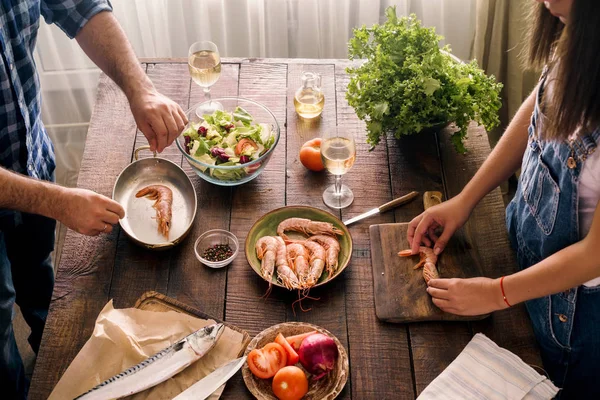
<point>309,99</point>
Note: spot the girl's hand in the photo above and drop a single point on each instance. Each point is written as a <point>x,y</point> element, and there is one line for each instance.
<point>474,296</point>
<point>449,216</point>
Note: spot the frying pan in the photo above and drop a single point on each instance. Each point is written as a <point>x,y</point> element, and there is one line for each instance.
<point>140,218</point>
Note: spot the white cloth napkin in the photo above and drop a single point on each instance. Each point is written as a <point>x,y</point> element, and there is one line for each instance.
<point>483,370</point>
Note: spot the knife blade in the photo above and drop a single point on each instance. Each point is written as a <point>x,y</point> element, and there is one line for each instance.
<point>211,382</point>
<point>384,207</point>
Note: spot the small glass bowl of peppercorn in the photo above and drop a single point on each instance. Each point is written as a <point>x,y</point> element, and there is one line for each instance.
<point>216,248</point>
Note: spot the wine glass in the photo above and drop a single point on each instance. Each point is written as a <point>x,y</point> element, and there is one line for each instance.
<point>204,63</point>
<point>338,153</point>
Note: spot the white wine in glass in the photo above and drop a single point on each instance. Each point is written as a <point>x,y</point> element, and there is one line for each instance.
<point>338,153</point>
<point>204,64</point>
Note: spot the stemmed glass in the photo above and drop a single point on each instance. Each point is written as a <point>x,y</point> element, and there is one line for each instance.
<point>338,153</point>
<point>204,63</point>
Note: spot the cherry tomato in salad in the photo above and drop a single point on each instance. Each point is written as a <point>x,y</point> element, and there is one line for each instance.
<point>290,383</point>
<point>244,144</point>
<point>310,155</point>
<point>296,340</point>
<point>292,356</point>
<point>264,363</point>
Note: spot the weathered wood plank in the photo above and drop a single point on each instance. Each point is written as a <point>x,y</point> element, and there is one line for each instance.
<point>136,269</point>
<point>415,165</point>
<point>265,83</point>
<point>378,352</point>
<point>84,275</point>
<point>189,280</point>
<point>306,188</point>
<point>509,328</point>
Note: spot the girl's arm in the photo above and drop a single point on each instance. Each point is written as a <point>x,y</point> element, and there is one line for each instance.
<point>568,268</point>
<point>501,164</point>
<point>505,159</point>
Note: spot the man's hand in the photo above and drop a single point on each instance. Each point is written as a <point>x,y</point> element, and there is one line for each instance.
<point>158,117</point>
<point>88,212</point>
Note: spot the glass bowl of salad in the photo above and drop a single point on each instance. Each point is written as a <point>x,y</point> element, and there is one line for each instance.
<point>230,146</point>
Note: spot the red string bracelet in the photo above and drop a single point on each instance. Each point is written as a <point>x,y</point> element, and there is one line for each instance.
<point>503,294</point>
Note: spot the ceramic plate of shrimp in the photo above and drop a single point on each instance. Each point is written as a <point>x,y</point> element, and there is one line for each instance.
<point>298,247</point>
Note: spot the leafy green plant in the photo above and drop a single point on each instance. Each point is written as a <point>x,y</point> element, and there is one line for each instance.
<point>408,83</point>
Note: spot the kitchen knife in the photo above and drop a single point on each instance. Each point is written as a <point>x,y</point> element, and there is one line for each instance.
<point>383,208</point>
<point>211,382</point>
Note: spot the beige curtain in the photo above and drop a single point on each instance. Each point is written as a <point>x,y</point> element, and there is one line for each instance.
<point>497,45</point>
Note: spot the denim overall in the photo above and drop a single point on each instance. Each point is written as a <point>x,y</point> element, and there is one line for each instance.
<point>543,219</point>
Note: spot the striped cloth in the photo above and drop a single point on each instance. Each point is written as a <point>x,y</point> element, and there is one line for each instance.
<point>483,370</point>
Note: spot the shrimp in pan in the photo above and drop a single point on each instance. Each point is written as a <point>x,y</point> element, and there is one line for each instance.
<point>164,200</point>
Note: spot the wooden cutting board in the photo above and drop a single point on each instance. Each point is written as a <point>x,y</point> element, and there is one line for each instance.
<point>400,294</point>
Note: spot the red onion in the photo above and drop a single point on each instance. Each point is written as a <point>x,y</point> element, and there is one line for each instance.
<point>188,140</point>
<point>220,153</point>
<point>318,354</point>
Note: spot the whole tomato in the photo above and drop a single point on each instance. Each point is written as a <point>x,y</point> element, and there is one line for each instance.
<point>290,383</point>
<point>310,155</point>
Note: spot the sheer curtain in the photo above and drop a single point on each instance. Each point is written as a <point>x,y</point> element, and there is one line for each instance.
<point>241,28</point>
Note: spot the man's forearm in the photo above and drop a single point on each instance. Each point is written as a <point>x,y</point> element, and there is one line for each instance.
<point>504,160</point>
<point>105,43</point>
<point>28,195</point>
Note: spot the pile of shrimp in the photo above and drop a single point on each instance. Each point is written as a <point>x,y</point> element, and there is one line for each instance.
<point>299,263</point>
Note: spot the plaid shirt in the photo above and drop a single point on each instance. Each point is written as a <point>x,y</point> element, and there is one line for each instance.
<point>24,144</point>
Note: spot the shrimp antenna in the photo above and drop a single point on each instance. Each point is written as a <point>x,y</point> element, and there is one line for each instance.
<point>268,292</point>
<point>303,295</point>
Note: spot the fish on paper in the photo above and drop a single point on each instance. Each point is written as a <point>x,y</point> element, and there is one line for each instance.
<point>159,367</point>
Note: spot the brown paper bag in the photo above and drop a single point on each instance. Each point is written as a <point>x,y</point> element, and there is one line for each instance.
<point>125,337</point>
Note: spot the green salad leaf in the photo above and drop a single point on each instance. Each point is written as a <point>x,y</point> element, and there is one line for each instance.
<point>242,115</point>
<point>216,140</point>
<point>408,83</point>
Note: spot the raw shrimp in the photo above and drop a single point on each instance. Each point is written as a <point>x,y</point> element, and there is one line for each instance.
<point>297,256</point>
<point>332,251</point>
<point>307,226</point>
<point>164,200</point>
<point>427,261</point>
<point>317,261</point>
<point>266,250</point>
<point>284,273</point>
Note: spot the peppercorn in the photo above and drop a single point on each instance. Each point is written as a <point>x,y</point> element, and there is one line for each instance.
<point>218,252</point>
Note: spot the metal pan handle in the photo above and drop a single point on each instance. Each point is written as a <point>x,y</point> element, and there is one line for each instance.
<point>137,151</point>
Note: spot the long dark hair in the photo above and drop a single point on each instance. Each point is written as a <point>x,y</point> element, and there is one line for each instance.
<point>574,49</point>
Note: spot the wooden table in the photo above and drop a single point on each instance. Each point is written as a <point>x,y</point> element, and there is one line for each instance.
<point>387,361</point>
